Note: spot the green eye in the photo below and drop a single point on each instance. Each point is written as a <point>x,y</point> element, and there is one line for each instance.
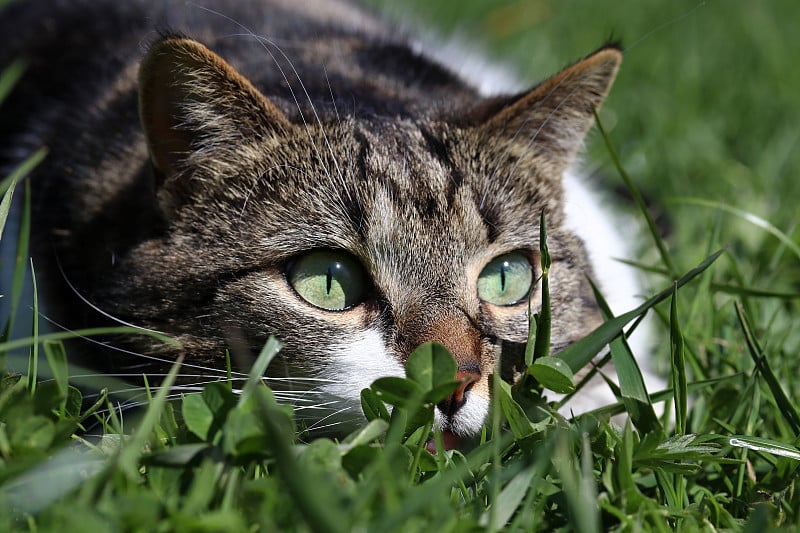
<point>330,280</point>
<point>505,280</point>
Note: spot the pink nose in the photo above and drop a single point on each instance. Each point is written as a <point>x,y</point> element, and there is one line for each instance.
<point>450,405</point>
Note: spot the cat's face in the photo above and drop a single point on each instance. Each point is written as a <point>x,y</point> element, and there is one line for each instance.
<point>354,240</point>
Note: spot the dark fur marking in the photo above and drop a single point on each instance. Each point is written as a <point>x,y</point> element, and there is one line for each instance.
<point>361,159</point>
<point>490,217</point>
<point>440,150</point>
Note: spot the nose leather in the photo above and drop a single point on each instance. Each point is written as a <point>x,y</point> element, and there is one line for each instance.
<point>450,405</point>
<point>463,340</point>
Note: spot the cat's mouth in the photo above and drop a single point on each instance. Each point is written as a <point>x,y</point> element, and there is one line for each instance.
<point>450,440</point>
<point>457,428</point>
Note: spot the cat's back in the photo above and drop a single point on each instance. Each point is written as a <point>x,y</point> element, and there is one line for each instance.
<point>84,54</point>
<point>80,33</point>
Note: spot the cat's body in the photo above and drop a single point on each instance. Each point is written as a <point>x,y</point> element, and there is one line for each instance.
<point>319,141</point>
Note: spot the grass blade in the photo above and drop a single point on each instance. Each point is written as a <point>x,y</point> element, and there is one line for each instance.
<point>20,260</point>
<point>10,76</point>
<point>747,216</point>
<point>579,487</point>
<point>538,344</point>
<point>754,292</point>
<point>8,185</point>
<point>33,364</point>
<point>651,225</point>
<point>765,445</point>
<point>678,366</point>
<point>88,332</point>
<point>542,343</point>
<point>265,357</point>
<point>59,368</point>
<point>510,498</point>
<point>580,353</point>
<point>128,458</point>
<point>631,382</point>
<point>314,495</point>
<point>785,406</point>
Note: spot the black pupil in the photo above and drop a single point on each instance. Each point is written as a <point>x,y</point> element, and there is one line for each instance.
<point>503,276</point>
<point>328,280</point>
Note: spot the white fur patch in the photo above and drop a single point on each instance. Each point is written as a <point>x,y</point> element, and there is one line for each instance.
<point>471,64</point>
<point>355,364</point>
<point>467,420</point>
<point>607,236</point>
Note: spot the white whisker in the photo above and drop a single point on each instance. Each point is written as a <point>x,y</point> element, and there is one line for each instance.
<point>164,360</point>
<point>97,309</point>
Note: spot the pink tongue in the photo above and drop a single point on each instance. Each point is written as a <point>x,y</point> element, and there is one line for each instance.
<point>449,438</point>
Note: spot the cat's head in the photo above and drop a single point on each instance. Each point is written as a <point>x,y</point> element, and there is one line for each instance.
<point>355,237</point>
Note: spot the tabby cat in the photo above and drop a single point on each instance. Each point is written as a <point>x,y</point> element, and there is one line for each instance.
<point>229,171</point>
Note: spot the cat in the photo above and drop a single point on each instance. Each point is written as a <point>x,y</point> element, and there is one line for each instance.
<point>225,172</point>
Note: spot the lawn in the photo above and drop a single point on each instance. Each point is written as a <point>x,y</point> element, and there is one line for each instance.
<point>704,121</point>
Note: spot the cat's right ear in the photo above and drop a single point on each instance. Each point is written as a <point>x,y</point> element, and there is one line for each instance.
<point>194,107</point>
<point>548,122</point>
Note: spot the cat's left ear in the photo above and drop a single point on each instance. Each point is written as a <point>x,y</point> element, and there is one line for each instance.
<point>552,119</point>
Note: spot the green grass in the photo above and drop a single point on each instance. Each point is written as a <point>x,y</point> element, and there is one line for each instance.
<point>703,122</point>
